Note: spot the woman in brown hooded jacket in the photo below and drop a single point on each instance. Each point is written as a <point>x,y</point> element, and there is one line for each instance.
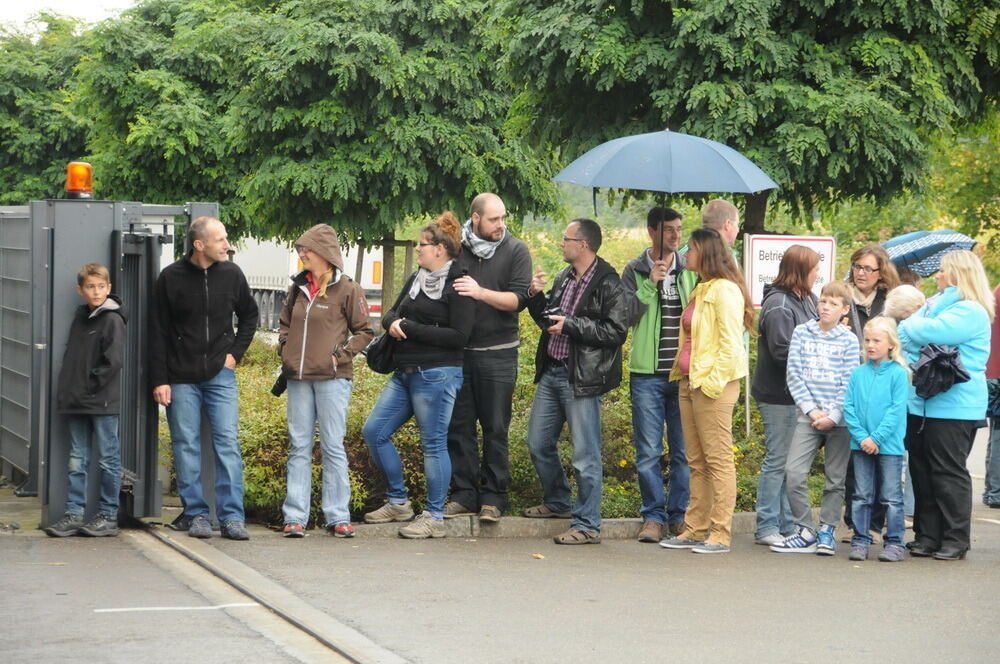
<point>323,325</point>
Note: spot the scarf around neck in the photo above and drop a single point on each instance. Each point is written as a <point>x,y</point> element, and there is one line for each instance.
<point>864,300</point>
<point>477,245</point>
<point>431,283</point>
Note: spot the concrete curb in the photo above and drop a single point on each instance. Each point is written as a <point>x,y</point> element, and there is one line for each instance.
<point>345,640</point>
<point>519,526</point>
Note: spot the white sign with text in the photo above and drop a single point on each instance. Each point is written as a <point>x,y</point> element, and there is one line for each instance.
<point>762,255</point>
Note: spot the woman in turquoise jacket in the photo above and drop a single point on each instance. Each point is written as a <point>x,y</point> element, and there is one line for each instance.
<point>940,430</point>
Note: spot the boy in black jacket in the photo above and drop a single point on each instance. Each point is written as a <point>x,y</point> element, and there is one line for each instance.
<point>89,395</point>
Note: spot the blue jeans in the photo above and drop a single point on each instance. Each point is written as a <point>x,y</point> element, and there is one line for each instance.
<point>890,494</point>
<point>220,401</point>
<point>105,435</point>
<point>428,394</point>
<point>553,406</point>
<point>774,516</point>
<point>325,400</point>
<point>991,496</point>
<point>654,403</point>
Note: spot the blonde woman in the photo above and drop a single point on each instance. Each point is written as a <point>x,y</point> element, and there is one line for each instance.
<point>323,325</point>
<point>940,430</point>
<point>711,358</point>
<point>875,412</point>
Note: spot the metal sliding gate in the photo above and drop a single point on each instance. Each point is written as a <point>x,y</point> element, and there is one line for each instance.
<point>42,247</point>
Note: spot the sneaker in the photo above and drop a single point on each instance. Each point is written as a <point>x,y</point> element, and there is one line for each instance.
<point>102,525</point>
<point>768,540</point>
<point>293,530</point>
<point>200,527</point>
<point>70,524</point>
<point>858,552</point>
<point>341,530</point>
<point>234,530</point>
<point>454,508</point>
<point>390,512</point>
<point>804,541</point>
<point>892,553</point>
<point>489,514</point>
<point>710,547</point>
<point>826,543</point>
<point>848,536</point>
<point>423,527</point>
<point>679,543</point>
<point>651,531</point>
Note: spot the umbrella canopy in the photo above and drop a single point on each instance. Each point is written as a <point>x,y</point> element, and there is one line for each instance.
<point>667,161</point>
<point>921,251</point>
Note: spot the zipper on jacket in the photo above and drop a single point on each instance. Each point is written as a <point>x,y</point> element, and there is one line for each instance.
<point>208,342</point>
<point>305,333</point>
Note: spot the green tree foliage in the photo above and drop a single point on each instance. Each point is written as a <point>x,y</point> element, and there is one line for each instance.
<point>357,113</point>
<point>834,99</point>
<point>39,131</point>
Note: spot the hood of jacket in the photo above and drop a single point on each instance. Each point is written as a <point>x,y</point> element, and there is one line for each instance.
<point>642,265</point>
<point>322,240</point>
<point>111,303</point>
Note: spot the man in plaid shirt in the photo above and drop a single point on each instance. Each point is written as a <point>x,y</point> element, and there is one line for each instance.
<point>584,324</point>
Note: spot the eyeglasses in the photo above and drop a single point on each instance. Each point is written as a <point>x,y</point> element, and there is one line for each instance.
<point>864,268</point>
<point>299,249</point>
<point>427,244</point>
<point>573,239</point>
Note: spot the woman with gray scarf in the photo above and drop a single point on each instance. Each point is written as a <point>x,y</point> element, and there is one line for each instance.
<point>430,324</point>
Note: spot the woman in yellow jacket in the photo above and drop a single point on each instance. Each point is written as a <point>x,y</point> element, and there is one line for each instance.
<point>711,358</point>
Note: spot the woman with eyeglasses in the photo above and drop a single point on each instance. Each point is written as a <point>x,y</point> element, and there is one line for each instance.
<point>871,277</point>
<point>323,325</point>
<point>940,429</point>
<point>430,323</point>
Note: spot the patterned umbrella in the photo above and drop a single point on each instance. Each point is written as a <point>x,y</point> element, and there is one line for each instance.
<point>921,251</point>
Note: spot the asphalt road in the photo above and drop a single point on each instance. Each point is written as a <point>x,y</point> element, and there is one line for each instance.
<point>128,599</point>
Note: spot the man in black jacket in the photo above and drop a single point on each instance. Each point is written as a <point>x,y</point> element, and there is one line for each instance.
<point>193,354</point>
<point>584,324</point>
<point>498,272</point>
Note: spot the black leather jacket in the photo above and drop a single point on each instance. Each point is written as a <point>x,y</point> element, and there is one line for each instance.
<point>597,330</point>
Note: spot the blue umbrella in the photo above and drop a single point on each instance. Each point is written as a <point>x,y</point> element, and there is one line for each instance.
<point>921,251</point>
<point>667,161</point>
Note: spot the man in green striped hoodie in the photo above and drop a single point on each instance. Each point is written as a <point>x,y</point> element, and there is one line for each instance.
<point>654,287</point>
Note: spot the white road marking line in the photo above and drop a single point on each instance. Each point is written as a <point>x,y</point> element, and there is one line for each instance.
<point>177,608</point>
<point>993,521</point>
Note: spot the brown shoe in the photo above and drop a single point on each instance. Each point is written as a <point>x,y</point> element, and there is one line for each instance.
<point>676,529</point>
<point>489,514</point>
<point>543,512</point>
<point>651,531</point>
<point>574,536</point>
<point>454,508</point>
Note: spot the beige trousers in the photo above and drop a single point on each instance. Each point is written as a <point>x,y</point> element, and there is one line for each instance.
<point>708,436</point>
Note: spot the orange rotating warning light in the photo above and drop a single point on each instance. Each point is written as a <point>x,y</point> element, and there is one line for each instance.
<point>79,180</point>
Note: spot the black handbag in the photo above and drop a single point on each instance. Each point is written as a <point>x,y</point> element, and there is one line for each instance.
<point>381,354</point>
<point>381,351</point>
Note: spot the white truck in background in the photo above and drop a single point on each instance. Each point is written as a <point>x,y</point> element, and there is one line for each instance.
<point>269,266</point>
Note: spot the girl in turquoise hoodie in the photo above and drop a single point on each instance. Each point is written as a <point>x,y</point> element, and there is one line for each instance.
<point>875,412</point>
<point>941,429</point>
